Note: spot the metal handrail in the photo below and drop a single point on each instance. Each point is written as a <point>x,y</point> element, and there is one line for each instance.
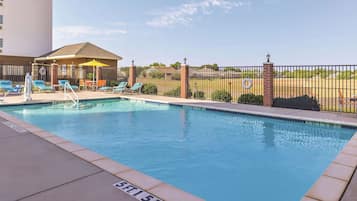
<point>74,98</point>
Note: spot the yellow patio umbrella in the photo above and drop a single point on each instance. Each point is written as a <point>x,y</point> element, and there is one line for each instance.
<point>95,64</point>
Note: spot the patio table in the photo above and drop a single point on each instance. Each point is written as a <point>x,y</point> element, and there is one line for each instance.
<point>92,84</point>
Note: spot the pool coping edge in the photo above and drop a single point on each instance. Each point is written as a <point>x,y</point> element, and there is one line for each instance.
<point>334,181</point>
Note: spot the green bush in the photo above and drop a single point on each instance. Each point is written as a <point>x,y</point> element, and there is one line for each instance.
<point>177,92</point>
<point>149,89</point>
<point>90,76</point>
<point>222,96</point>
<point>251,99</point>
<point>199,95</point>
<point>345,75</point>
<point>157,75</point>
<point>301,102</point>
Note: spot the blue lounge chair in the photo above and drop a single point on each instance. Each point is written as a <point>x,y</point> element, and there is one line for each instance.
<point>63,82</point>
<point>136,88</point>
<point>121,87</point>
<point>40,85</point>
<point>7,88</point>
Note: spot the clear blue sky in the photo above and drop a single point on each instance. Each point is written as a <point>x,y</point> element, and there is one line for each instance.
<point>227,32</point>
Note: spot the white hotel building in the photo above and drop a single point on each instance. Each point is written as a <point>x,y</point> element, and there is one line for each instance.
<point>25,29</point>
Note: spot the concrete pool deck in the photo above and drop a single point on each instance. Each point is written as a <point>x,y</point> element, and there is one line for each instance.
<point>99,173</point>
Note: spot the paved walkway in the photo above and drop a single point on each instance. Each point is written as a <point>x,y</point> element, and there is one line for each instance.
<point>347,119</point>
<point>32,169</point>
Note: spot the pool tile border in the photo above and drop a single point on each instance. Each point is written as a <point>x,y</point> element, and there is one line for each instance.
<point>333,183</point>
<point>139,179</point>
<point>151,185</point>
<point>286,117</point>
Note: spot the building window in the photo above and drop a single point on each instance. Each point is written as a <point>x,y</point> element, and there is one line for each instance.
<point>64,69</point>
<point>1,19</point>
<point>12,70</point>
<point>1,43</point>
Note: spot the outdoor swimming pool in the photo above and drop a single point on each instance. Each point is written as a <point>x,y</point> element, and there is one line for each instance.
<point>214,155</point>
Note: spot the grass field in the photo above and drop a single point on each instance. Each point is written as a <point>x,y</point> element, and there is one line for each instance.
<point>325,90</point>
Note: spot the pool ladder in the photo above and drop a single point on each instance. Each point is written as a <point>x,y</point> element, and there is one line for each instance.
<point>72,95</point>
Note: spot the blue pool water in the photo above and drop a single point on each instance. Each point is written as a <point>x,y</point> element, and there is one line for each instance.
<point>214,155</point>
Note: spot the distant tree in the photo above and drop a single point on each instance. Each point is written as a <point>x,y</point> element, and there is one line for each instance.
<point>157,64</point>
<point>232,69</point>
<point>176,65</point>
<point>211,66</point>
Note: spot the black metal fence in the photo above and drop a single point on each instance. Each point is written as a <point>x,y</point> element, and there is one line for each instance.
<point>15,73</point>
<point>236,80</point>
<point>333,86</point>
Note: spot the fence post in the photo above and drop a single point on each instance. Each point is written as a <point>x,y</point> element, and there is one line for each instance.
<point>132,74</point>
<point>268,74</point>
<point>34,71</point>
<point>54,74</point>
<point>184,79</point>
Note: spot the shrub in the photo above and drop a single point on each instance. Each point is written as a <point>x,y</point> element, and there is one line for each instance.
<point>221,95</point>
<point>199,95</point>
<point>301,102</point>
<point>149,89</point>
<point>157,75</point>
<point>176,76</point>
<point>177,92</point>
<point>251,99</point>
<point>89,76</point>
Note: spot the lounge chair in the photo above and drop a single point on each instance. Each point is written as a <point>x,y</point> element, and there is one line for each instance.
<point>63,82</point>
<point>8,89</point>
<point>121,87</point>
<point>40,85</point>
<point>136,88</point>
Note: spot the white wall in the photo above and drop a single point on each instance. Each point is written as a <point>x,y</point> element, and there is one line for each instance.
<point>27,28</point>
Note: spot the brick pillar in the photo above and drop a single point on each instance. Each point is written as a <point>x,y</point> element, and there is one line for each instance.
<point>132,74</point>
<point>54,74</point>
<point>184,81</point>
<point>268,75</point>
<point>34,72</point>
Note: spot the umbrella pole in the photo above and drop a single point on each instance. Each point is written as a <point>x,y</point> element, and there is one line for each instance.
<point>93,77</point>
